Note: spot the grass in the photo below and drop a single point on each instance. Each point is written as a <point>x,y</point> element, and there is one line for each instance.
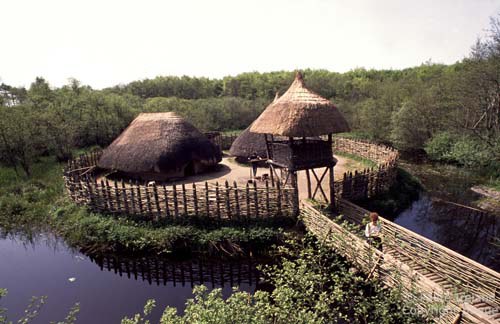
<point>356,162</point>
<point>354,135</point>
<point>232,132</point>
<point>493,184</point>
<point>30,205</point>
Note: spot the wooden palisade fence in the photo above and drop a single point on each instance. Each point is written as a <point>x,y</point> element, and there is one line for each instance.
<point>369,182</point>
<point>220,200</point>
<point>177,201</point>
<point>197,272</point>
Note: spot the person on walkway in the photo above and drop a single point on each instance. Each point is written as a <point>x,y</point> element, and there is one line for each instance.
<point>373,231</point>
<point>254,160</point>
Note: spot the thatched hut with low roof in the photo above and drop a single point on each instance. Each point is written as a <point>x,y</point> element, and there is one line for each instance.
<point>160,146</point>
<point>246,144</point>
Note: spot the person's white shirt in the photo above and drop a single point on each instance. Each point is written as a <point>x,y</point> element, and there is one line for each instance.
<point>372,230</point>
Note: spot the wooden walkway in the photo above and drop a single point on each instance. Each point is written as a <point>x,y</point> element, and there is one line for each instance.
<point>437,281</point>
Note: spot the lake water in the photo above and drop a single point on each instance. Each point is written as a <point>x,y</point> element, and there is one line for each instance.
<point>470,234</point>
<point>106,288</point>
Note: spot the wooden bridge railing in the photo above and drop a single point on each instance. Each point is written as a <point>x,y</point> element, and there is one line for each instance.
<point>413,288</point>
<point>210,200</point>
<point>437,280</point>
<point>463,274</point>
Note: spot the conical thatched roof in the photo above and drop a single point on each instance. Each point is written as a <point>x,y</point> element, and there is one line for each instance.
<point>159,143</point>
<point>300,112</point>
<point>248,143</point>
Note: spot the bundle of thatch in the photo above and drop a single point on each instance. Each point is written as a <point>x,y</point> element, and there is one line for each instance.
<point>299,112</point>
<point>158,146</point>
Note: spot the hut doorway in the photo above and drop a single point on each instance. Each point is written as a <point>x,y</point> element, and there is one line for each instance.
<point>189,169</point>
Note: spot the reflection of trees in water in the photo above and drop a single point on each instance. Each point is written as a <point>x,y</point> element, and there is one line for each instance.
<point>468,231</point>
<point>216,273</point>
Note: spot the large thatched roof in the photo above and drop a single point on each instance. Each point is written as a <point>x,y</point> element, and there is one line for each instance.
<point>158,143</point>
<point>299,112</point>
<point>248,143</point>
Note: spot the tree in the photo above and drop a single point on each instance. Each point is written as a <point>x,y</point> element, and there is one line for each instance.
<point>479,91</point>
<point>21,139</point>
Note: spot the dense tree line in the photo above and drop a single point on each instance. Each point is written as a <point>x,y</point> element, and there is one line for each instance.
<point>451,112</point>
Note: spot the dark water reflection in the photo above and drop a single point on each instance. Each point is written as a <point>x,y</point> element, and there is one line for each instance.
<point>463,230</point>
<point>107,288</point>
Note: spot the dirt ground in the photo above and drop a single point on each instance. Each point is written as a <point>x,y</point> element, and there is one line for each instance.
<point>232,171</point>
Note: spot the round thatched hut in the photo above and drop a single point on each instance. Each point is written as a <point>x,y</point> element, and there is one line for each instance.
<point>160,146</point>
<point>248,143</point>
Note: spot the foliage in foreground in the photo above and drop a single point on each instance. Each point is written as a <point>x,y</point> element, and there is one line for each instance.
<point>33,309</point>
<point>312,285</point>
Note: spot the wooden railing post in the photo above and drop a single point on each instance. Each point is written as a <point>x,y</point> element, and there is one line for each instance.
<point>237,200</point>
<point>228,200</point>
<point>195,201</point>
<point>176,203</point>
<point>217,200</point>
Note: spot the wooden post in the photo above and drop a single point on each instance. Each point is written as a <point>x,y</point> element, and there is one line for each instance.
<point>267,200</point>
<point>237,200</point>
<point>228,202</point>
<point>132,196</point>
<point>165,194</point>
<point>104,196</point>
<point>207,201</point>
<point>293,176</point>
<point>108,196</point>
<point>248,200</point>
<point>139,197</point>
<point>184,200</point>
<point>308,176</point>
<point>217,201</point>
<point>271,174</point>
<point>157,202</point>
<point>148,201</point>
<point>333,206</point>
<point>117,197</point>
<point>176,203</point>
<point>99,200</point>
<point>125,197</point>
<point>256,199</point>
<point>195,201</point>
<point>90,192</point>
<point>278,202</point>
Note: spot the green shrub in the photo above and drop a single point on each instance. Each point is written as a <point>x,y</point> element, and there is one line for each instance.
<point>463,150</point>
<point>440,147</point>
<point>311,284</point>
